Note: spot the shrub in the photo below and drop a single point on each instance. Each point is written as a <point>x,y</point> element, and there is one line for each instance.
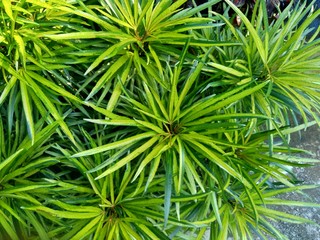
<point>144,120</point>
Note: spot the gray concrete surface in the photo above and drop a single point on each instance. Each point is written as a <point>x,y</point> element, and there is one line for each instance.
<point>309,140</point>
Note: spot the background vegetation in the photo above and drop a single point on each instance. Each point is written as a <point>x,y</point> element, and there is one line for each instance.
<point>144,120</point>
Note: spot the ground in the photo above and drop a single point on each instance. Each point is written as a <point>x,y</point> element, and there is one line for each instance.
<point>309,140</point>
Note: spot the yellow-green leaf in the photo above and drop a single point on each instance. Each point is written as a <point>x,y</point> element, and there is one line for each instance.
<point>27,107</point>
<point>8,8</point>
<point>21,48</point>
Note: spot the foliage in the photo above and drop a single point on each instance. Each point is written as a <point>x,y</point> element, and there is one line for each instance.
<point>144,120</point>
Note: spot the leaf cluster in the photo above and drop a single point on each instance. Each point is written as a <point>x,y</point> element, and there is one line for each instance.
<point>144,120</point>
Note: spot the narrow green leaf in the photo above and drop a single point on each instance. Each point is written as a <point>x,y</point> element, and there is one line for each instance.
<point>13,212</point>
<point>181,165</point>
<point>114,68</point>
<point>193,175</point>
<point>89,35</point>
<point>114,122</point>
<point>157,10</point>
<point>117,144</point>
<point>19,189</point>
<point>212,217</point>
<point>199,162</point>
<point>151,99</point>
<point>110,184</point>
<point>7,89</point>
<point>152,172</point>
<point>118,88</point>
<point>142,201</point>
<point>101,110</point>
<point>156,59</point>
<point>148,231</point>
<point>6,225</point>
<point>161,106</point>
<point>126,11</point>
<point>87,229</point>
<point>188,198</point>
<point>5,63</point>
<point>255,36</point>
<point>223,235</point>
<point>110,52</point>
<point>202,234</point>
<point>95,187</point>
<point>42,232</point>
<point>216,160</point>
<point>150,126</point>
<point>229,70</point>
<point>10,159</point>
<point>168,187</point>
<point>202,43</point>
<point>101,22</point>
<point>202,121</point>
<point>253,205</point>
<point>21,48</point>
<point>152,214</point>
<point>112,158</point>
<point>275,192</point>
<point>8,8</point>
<point>282,215</point>
<point>137,105</point>
<point>53,86</point>
<point>193,75</point>
<point>63,214</point>
<point>205,109</point>
<point>124,183</point>
<point>27,107</point>
<point>73,208</point>
<point>112,231</point>
<point>116,20</point>
<point>151,72</point>
<point>128,232</point>
<point>31,167</point>
<point>78,188</point>
<point>214,203</point>
<point>159,118</point>
<point>50,107</point>
<point>129,157</point>
<point>283,202</point>
<point>156,151</point>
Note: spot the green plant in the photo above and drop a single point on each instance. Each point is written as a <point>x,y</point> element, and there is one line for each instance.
<point>276,52</point>
<point>22,168</point>
<point>142,120</point>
